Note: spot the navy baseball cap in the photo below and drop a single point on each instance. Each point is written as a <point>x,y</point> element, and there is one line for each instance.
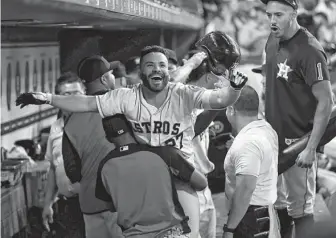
<point>93,67</point>
<point>116,125</point>
<point>292,3</point>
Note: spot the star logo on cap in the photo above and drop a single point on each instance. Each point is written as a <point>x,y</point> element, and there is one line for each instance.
<point>120,132</point>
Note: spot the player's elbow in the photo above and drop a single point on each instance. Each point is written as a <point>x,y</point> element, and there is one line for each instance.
<point>225,98</point>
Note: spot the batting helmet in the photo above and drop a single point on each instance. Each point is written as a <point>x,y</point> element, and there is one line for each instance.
<point>223,52</point>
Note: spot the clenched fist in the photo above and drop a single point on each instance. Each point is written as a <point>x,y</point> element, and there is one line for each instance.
<point>237,80</point>
<point>37,98</point>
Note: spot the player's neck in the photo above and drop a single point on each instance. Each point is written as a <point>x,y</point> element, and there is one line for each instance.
<point>244,121</point>
<point>292,30</point>
<point>93,89</point>
<point>123,140</point>
<point>155,98</point>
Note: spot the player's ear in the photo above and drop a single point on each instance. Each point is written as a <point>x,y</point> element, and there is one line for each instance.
<point>103,79</point>
<point>294,15</point>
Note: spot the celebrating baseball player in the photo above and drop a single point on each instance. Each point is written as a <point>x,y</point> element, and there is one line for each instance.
<point>161,112</point>
<point>298,100</point>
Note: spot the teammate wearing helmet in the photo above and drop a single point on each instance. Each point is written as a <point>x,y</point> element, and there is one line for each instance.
<point>159,111</point>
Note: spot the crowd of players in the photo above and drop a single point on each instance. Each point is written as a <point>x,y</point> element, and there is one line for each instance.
<point>141,170</point>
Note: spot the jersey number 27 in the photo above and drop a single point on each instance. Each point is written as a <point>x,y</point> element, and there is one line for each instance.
<point>175,141</point>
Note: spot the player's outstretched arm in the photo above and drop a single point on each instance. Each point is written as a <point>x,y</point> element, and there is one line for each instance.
<point>227,95</point>
<point>73,103</point>
<point>182,73</point>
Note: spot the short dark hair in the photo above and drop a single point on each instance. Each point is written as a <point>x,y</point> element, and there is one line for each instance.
<point>152,49</point>
<point>67,77</point>
<point>248,102</point>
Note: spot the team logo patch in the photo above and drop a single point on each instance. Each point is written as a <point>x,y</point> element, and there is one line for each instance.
<point>284,69</point>
<point>218,126</point>
<point>124,148</point>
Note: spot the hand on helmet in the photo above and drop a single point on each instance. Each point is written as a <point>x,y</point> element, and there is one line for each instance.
<point>197,59</point>
<point>37,98</point>
<point>237,80</point>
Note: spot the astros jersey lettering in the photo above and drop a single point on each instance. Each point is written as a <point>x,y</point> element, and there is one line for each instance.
<point>292,68</point>
<point>171,124</point>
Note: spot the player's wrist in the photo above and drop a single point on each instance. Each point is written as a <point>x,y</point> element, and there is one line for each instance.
<point>49,98</point>
<point>236,87</point>
<point>227,229</point>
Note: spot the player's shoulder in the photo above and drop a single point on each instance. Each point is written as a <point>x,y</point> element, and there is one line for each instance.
<point>180,87</point>
<point>308,43</point>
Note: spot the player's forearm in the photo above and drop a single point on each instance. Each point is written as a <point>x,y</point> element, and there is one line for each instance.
<point>240,202</point>
<point>321,119</point>
<point>198,181</point>
<point>182,73</point>
<point>204,120</point>
<point>51,192</point>
<point>222,98</point>
<point>75,103</point>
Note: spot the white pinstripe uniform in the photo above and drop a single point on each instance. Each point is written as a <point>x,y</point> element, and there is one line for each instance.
<point>171,124</point>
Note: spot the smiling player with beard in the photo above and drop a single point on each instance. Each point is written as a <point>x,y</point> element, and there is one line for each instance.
<point>161,112</point>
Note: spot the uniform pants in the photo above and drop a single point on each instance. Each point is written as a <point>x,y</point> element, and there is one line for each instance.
<point>189,201</point>
<point>300,185</point>
<point>207,214</point>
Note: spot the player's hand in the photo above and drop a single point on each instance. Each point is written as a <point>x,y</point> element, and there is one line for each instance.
<point>229,143</point>
<point>196,59</point>
<point>306,158</point>
<point>237,80</point>
<point>47,217</point>
<point>37,98</point>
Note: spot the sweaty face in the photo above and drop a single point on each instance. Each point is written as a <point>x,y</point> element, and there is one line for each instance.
<point>154,71</point>
<point>279,16</point>
<point>216,81</point>
<point>171,66</point>
<point>68,89</point>
<point>109,81</point>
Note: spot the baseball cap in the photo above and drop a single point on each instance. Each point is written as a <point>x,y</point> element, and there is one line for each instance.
<point>116,125</point>
<point>292,3</point>
<point>259,69</point>
<point>171,55</point>
<point>93,67</point>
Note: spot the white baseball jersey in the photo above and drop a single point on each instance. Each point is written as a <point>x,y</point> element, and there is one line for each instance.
<point>201,147</point>
<point>171,124</point>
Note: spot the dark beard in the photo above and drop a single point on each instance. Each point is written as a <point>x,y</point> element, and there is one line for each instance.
<point>145,81</point>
